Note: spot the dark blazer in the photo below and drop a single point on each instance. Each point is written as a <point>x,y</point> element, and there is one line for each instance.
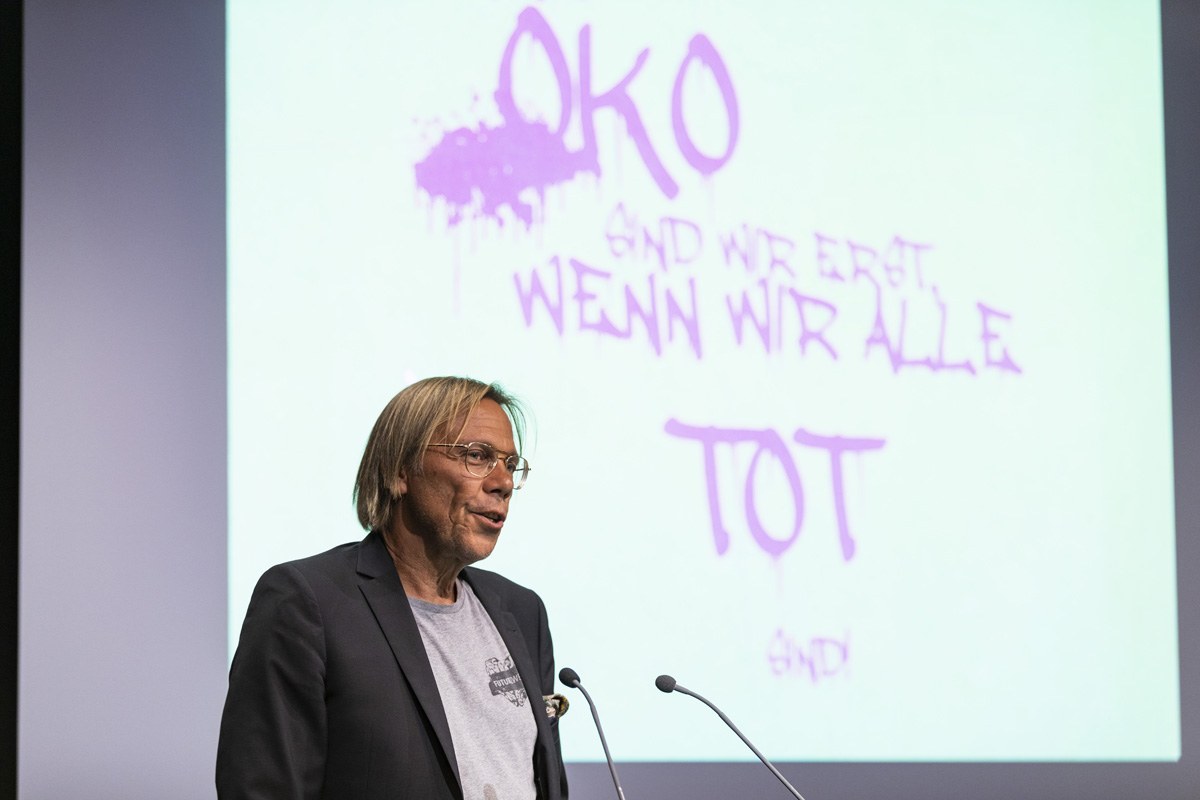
<point>331,694</point>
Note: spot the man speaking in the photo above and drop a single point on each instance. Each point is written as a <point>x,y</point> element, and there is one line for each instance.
<point>390,668</point>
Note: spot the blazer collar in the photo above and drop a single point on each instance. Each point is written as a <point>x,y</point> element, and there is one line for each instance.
<point>385,595</point>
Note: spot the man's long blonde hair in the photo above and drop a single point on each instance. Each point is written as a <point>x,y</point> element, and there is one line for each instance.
<point>406,426</point>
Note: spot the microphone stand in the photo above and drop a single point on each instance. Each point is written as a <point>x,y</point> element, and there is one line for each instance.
<point>666,683</point>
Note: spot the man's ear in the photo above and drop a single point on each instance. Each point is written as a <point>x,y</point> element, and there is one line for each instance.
<point>399,484</point>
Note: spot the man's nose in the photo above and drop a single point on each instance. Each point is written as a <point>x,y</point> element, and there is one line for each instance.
<point>499,481</point>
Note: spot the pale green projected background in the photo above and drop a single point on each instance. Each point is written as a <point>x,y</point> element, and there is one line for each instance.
<point>844,327</point>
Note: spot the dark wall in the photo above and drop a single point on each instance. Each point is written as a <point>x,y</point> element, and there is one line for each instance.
<point>122,607</point>
<point>10,400</point>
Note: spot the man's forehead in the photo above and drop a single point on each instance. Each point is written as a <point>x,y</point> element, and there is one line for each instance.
<point>487,423</point>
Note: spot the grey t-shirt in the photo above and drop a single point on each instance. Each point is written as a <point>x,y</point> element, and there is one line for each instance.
<point>491,720</point>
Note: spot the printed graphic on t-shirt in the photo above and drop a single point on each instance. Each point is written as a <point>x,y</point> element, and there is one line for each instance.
<point>503,679</point>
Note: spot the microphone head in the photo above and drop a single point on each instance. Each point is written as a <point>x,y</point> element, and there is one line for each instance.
<point>569,676</point>
<point>665,683</point>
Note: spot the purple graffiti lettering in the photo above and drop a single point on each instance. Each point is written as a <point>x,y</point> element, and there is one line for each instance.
<point>675,241</point>
<point>658,246</point>
<point>617,98</point>
<point>767,318</point>
<point>684,317</point>
<point>900,267</point>
<point>778,251</point>
<point>837,446</point>
<point>940,362</point>
<point>530,22</point>
<point>818,658</point>
<point>537,288</point>
<point>584,297</point>
<point>768,441</point>
<point>862,258</point>
<point>901,259</point>
<point>918,250</point>
<point>483,170</point>
<point>987,336</point>
<point>743,249</point>
<point>701,49</point>
<point>646,312</point>
<point>591,288</point>
<point>761,320</point>
<point>809,333</point>
<point>878,337</point>
<point>826,267</point>
<point>710,437</point>
<point>621,239</point>
<point>896,258</point>
<point>689,233</point>
<point>894,349</point>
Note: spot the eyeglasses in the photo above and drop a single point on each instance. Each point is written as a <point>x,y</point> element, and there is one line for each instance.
<point>480,459</point>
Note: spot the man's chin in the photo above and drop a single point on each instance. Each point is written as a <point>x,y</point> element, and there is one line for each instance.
<point>480,546</point>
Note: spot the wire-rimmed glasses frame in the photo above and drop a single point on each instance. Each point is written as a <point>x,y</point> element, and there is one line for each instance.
<point>481,458</point>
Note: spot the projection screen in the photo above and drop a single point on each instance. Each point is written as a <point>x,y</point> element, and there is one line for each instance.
<point>844,327</point>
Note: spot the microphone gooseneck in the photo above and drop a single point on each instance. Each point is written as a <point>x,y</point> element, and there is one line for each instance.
<point>571,678</point>
<point>666,683</point>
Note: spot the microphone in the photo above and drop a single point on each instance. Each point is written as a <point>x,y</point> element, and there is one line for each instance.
<point>571,678</point>
<point>666,683</point>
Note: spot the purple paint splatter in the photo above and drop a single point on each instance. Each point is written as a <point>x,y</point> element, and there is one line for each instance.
<point>478,172</point>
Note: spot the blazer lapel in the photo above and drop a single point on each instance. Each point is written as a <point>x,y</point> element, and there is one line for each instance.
<point>385,595</point>
<point>527,668</point>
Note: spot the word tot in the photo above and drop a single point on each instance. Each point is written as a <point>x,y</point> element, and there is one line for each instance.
<point>768,441</point>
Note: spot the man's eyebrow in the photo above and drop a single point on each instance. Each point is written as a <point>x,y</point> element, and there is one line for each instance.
<point>492,447</point>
